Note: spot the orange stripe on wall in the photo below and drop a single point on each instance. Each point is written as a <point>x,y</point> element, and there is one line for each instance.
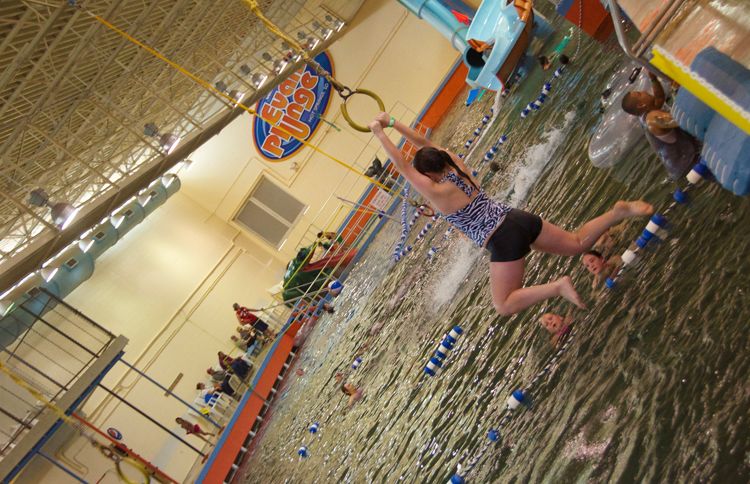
<point>445,97</point>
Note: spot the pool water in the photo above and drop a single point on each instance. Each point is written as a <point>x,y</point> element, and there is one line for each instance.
<point>653,389</point>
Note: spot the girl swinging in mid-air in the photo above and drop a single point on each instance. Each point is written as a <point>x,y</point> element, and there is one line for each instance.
<point>507,233</point>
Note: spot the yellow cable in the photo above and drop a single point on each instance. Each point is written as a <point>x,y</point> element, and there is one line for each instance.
<point>206,85</point>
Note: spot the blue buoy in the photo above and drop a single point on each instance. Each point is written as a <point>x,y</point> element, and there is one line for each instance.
<point>335,287</point>
<point>302,452</point>
<point>450,339</point>
<point>610,283</point>
<point>474,173</point>
<point>441,352</point>
<point>659,220</point>
<point>447,345</point>
<point>493,435</point>
<point>314,428</point>
<point>516,398</point>
<point>646,235</point>
<point>356,363</point>
<point>547,86</point>
<point>456,479</point>
<point>477,131</point>
<point>429,371</point>
<point>461,155</point>
<point>641,242</point>
<point>680,196</point>
<point>699,172</point>
<point>436,362</point>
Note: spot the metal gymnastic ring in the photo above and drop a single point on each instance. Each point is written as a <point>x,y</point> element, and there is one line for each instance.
<point>345,111</point>
<point>135,464</point>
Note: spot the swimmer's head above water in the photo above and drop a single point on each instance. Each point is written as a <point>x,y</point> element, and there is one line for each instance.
<point>593,261</point>
<point>435,164</point>
<point>553,323</point>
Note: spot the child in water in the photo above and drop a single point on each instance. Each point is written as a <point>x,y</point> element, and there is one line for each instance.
<point>355,393</point>
<point>597,263</point>
<point>558,326</point>
<point>601,268</point>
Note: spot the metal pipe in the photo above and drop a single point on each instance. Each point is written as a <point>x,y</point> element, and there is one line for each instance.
<point>79,313</point>
<point>151,419</point>
<point>614,10</point>
<point>65,336</point>
<point>657,26</point>
<point>13,417</point>
<point>62,467</point>
<point>167,390</point>
<point>37,370</point>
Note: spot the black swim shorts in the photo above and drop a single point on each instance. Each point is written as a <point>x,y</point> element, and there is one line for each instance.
<point>513,238</point>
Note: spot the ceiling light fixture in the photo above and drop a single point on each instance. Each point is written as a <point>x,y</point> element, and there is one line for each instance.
<point>167,141</point>
<point>62,213</point>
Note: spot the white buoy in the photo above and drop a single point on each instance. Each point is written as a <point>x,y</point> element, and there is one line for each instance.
<point>629,256</point>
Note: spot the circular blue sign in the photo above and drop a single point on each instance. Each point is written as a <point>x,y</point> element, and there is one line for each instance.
<point>291,111</point>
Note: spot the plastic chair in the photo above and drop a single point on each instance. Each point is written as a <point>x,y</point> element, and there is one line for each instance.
<point>221,404</point>
<point>237,386</point>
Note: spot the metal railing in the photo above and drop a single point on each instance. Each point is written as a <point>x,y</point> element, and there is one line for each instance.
<point>51,345</point>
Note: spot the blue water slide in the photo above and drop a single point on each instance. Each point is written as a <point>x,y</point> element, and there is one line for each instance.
<point>496,22</point>
<point>441,19</point>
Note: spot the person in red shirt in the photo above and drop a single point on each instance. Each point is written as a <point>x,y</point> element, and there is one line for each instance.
<point>193,429</point>
<point>246,316</point>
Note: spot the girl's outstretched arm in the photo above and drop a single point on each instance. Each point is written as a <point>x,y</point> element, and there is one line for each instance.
<point>409,133</point>
<point>420,182</point>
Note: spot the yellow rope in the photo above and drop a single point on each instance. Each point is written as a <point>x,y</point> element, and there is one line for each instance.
<point>342,90</point>
<point>253,5</point>
<point>76,425</point>
<point>38,395</point>
<point>206,85</point>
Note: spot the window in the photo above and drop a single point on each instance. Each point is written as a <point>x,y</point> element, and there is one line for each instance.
<point>270,212</point>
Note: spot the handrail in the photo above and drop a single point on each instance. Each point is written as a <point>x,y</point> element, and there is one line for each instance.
<point>657,26</point>
<point>614,10</point>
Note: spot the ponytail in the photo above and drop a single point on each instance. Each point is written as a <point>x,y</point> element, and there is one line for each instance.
<point>460,171</point>
<point>434,160</point>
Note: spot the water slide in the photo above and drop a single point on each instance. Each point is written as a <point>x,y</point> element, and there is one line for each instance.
<point>506,26</point>
<point>435,13</point>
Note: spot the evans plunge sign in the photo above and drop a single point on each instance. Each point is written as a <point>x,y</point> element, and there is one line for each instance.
<point>293,109</point>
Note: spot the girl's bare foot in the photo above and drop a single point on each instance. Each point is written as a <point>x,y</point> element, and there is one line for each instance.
<point>567,291</point>
<point>636,208</point>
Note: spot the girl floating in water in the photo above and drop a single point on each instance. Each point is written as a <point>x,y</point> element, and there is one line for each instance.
<point>355,393</point>
<point>507,233</point>
<point>557,326</point>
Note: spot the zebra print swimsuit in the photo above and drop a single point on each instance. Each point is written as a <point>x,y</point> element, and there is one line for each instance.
<point>481,217</point>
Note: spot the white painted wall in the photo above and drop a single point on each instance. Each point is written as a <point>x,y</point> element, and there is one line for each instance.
<point>169,285</point>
